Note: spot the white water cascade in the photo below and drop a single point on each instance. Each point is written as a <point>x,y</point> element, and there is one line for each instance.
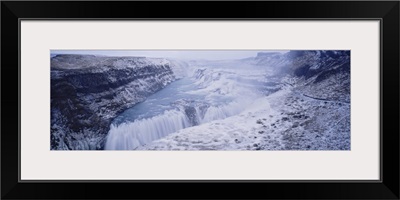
<point>128,136</point>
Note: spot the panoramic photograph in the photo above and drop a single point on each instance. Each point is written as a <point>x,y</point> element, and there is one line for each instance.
<point>210,100</point>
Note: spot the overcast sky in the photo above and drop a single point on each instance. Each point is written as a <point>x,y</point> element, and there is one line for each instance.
<point>181,54</point>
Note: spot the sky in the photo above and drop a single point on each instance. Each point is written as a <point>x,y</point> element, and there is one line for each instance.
<point>180,54</point>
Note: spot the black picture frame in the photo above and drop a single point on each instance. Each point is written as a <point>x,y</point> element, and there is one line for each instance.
<point>13,11</point>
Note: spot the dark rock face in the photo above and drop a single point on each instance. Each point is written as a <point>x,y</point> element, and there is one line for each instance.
<point>192,115</point>
<point>87,92</point>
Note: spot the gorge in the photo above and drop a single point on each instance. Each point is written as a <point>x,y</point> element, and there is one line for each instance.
<point>299,100</point>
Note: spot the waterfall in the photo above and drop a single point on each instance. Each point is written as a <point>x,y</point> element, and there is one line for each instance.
<point>128,136</point>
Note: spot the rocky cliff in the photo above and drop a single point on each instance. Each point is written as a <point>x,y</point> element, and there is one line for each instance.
<point>87,92</point>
